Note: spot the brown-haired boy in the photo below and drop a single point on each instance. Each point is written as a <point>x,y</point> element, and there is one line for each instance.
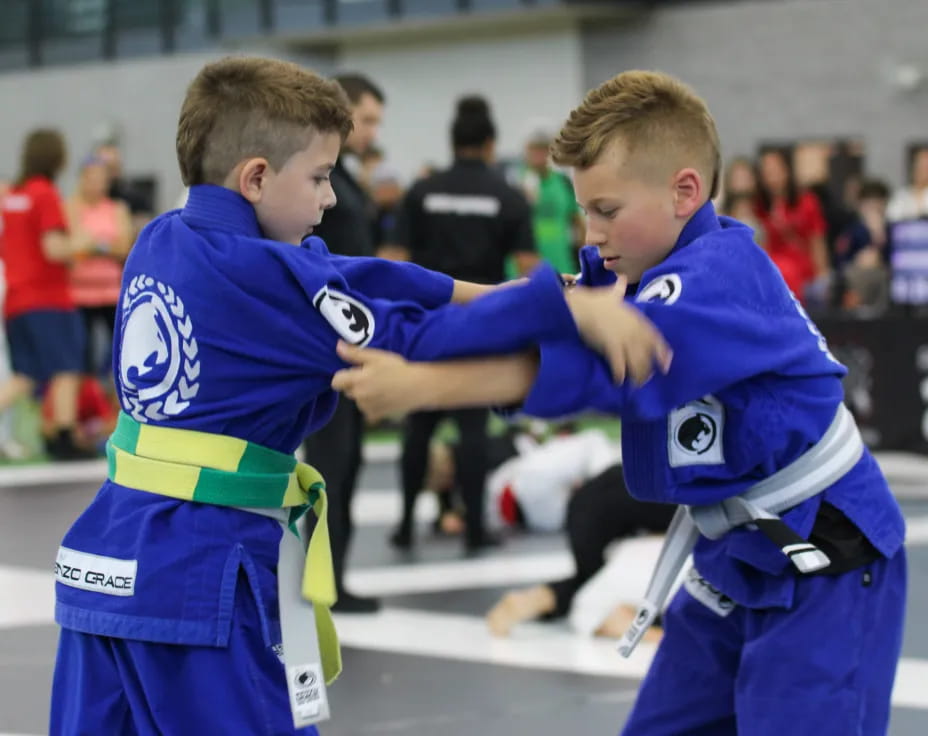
<point>791,621</point>
<point>180,582</point>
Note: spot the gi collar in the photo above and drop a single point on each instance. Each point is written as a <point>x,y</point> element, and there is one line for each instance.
<point>703,221</point>
<point>218,208</point>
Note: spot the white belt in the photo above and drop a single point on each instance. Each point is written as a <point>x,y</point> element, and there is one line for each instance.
<point>309,702</point>
<point>819,467</point>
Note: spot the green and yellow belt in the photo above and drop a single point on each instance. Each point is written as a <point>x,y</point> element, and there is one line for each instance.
<point>227,471</point>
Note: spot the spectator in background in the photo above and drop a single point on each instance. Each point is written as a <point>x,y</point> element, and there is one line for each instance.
<point>911,202</point>
<point>743,207</point>
<point>556,218</point>
<point>335,450</point>
<point>863,251</point>
<point>738,195</point>
<point>815,163</point>
<point>464,221</point>
<point>96,275</point>
<point>45,332</point>
<point>10,449</point>
<point>96,416</point>
<point>794,227</point>
<point>386,190</point>
<point>739,180</point>
<point>369,162</point>
<point>141,209</point>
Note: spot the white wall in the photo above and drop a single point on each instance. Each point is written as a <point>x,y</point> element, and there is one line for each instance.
<point>524,78</point>
<point>786,69</point>
<point>532,77</point>
<point>142,97</point>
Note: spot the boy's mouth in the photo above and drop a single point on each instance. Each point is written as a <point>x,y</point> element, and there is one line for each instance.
<point>611,260</point>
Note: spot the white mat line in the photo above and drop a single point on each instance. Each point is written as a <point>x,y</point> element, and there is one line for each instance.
<point>433,577</point>
<point>460,637</point>
<point>538,646</point>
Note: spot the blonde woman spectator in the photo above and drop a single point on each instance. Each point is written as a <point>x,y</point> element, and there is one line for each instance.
<point>911,202</point>
<point>740,179</point>
<point>106,227</point>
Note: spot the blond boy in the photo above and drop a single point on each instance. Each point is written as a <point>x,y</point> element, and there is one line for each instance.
<point>791,621</point>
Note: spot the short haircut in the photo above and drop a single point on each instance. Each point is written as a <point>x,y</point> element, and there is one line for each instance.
<point>243,106</point>
<point>43,154</point>
<point>357,85</point>
<point>656,117</point>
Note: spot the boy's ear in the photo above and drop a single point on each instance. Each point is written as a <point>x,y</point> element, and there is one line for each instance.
<point>688,191</point>
<point>252,179</point>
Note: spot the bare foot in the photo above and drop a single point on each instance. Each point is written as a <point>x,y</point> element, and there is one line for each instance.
<point>520,605</point>
<point>618,622</point>
<point>451,524</point>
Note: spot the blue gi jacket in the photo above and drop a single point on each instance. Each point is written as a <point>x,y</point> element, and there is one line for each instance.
<point>751,387</point>
<point>223,331</point>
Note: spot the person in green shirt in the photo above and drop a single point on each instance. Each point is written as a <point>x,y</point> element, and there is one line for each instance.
<point>557,221</point>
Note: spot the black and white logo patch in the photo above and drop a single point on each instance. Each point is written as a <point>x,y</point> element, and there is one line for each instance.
<point>695,433</point>
<point>664,289</point>
<point>350,318</point>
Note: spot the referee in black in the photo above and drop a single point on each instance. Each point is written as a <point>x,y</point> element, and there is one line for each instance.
<point>464,222</point>
<point>347,229</point>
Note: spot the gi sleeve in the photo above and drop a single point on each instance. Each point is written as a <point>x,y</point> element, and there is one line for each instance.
<point>395,280</point>
<point>503,321</point>
<point>592,271</point>
<point>723,325</point>
<point>384,279</point>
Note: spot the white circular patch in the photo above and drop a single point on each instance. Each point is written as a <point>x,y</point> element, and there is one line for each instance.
<point>664,290</point>
<point>158,365</point>
<point>350,318</point>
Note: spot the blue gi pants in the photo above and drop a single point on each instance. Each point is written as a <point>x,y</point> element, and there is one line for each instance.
<point>826,666</point>
<point>104,685</point>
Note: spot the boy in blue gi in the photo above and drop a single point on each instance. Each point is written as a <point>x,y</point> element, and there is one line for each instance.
<point>176,585</point>
<point>793,622</point>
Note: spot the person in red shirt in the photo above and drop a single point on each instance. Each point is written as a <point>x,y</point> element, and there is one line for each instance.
<point>794,226</point>
<point>44,330</point>
<point>96,415</point>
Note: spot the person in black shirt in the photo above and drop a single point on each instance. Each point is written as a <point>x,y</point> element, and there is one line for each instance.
<point>347,229</point>
<point>464,222</point>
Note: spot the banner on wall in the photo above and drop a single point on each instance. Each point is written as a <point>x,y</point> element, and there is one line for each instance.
<point>886,387</point>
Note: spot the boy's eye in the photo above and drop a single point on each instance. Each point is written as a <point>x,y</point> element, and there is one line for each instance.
<point>606,213</point>
<point>320,179</point>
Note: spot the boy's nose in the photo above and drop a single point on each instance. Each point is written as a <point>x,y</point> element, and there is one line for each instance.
<point>594,237</point>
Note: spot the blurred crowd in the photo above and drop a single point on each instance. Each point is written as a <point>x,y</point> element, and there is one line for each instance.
<point>833,238</point>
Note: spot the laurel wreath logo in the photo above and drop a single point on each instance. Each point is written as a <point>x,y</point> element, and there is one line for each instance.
<point>188,386</point>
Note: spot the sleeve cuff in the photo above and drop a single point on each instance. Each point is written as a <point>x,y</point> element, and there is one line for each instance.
<point>549,308</point>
